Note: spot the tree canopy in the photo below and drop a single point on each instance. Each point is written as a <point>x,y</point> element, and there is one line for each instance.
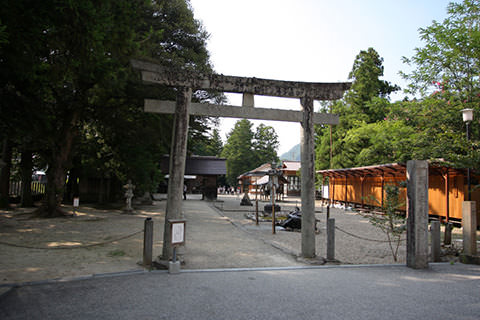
<point>444,80</point>
<point>246,150</point>
<point>70,95</point>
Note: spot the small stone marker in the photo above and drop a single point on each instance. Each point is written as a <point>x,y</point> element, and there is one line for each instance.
<point>330,239</point>
<point>148,243</point>
<point>435,240</point>
<point>417,210</point>
<point>469,224</point>
<point>76,203</point>
<point>447,240</point>
<point>129,187</point>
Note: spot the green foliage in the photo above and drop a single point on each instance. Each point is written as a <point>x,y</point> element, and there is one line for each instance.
<point>215,144</point>
<point>367,86</point>
<point>265,144</point>
<point>246,150</point>
<point>373,131</point>
<point>352,142</point>
<point>451,53</point>
<point>446,73</point>
<point>380,142</point>
<point>171,36</point>
<point>238,150</point>
<point>3,34</point>
<point>65,77</point>
<point>116,253</point>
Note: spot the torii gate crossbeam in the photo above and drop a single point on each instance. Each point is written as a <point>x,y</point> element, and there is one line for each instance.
<point>186,81</point>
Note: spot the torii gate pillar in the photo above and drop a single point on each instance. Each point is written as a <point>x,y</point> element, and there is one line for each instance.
<point>307,152</point>
<point>307,92</point>
<point>178,155</point>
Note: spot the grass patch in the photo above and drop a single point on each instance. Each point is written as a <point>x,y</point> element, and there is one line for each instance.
<point>116,253</point>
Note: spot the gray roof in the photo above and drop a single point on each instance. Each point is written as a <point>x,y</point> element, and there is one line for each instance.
<point>200,165</point>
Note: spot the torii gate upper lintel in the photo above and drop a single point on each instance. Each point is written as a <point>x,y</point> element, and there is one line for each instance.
<point>307,92</point>
<point>154,73</point>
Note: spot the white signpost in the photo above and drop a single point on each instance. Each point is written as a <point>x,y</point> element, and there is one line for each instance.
<point>177,231</point>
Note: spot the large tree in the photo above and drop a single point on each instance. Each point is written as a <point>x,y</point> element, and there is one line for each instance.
<point>365,103</point>
<point>88,45</point>
<point>21,46</point>
<point>366,73</point>
<point>446,74</point>
<point>450,57</point>
<point>65,72</point>
<point>246,149</point>
<point>133,141</point>
<point>238,150</point>
<point>265,144</point>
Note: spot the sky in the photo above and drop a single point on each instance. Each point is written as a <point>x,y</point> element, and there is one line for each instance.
<point>309,40</point>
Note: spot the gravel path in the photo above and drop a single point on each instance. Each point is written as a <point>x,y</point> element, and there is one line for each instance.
<point>219,235</point>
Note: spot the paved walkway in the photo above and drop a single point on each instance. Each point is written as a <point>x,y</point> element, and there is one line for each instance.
<point>217,241</point>
<point>287,289</point>
<point>380,292</point>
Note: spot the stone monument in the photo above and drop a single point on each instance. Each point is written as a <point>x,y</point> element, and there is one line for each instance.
<point>129,187</point>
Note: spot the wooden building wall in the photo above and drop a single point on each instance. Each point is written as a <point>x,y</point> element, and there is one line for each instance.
<point>367,191</point>
<point>361,190</point>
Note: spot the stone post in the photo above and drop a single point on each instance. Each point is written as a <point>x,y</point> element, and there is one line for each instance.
<point>417,214</point>
<point>308,179</point>
<point>469,224</point>
<point>330,239</point>
<point>435,240</point>
<point>178,154</point>
<point>148,243</point>
<point>447,239</point>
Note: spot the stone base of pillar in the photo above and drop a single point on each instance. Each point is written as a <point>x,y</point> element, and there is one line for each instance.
<point>161,264</point>
<point>312,261</point>
<point>174,267</point>
<point>467,259</point>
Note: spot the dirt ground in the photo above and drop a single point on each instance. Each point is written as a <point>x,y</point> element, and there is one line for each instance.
<point>95,241</point>
<point>98,241</point>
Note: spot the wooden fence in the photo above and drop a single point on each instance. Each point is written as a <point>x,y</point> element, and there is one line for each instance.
<point>38,188</point>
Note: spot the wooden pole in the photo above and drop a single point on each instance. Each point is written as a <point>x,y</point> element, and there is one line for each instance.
<point>256,204</point>
<point>362,179</point>
<point>273,208</point>
<point>346,190</point>
<point>447,197</point>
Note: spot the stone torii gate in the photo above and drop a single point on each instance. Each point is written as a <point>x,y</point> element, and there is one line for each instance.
<point>186,81</point>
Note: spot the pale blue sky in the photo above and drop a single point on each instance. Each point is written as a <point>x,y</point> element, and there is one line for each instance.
<point>309,40</point>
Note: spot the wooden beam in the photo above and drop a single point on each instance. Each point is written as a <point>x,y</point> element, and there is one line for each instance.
<point>156,74</point>
<point>213,110</point>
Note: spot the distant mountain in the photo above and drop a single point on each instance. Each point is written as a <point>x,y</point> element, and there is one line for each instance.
<point>292,154</point>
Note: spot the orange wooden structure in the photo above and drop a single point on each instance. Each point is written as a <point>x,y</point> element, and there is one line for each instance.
<point>364,186</point>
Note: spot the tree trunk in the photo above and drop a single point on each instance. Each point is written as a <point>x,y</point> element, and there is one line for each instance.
<point>26,169</point>
<point>57,171</point>
<point>5,166</point>
<point>101,194</point>
<point>55,190</point>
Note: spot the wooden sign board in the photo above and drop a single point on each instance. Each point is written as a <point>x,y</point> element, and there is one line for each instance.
<point>177,231</point>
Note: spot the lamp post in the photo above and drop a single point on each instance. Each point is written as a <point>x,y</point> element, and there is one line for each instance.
<point>467,115</point>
